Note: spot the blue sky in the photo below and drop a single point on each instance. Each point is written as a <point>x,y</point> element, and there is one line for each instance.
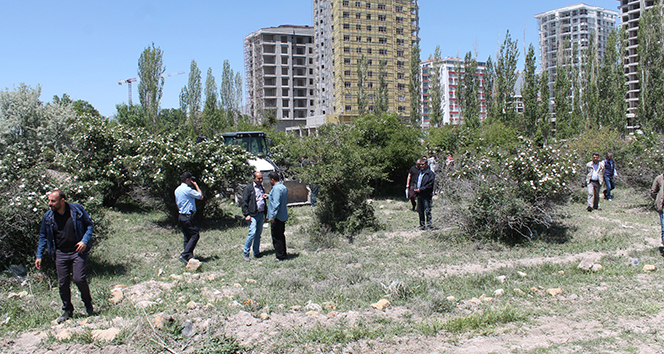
<point>83,48</point>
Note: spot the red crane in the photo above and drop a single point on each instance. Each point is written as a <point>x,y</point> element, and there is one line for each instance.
<point>128,82</point>
<point>133,79</point>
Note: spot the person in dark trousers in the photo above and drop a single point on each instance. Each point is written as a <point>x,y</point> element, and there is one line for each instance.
<point>657,193</point>
<point>424,190</point>
<point>609,173</point>
<point>277,214</point>
<point>253,209</point>
<point>410,185</point>
<point>66,231</point>
<point>185,197</point>
<point>594,180</point>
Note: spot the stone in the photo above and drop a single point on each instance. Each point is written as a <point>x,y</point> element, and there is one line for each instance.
<point>107,335</point>
<point>381,207</point>
<point>554,291</point>
<point>176,276</point>
<point>251,281</point>
<point>501,278</point>
<point>12,296</point>
<point>451,298</point>
<point>265,316</point>
<point>649,268</point>
<point>519,291</point>
<point>63,335</point>
<point>188,328</point>
<point>160,272</point>
<point>522,274</point>
<point>381,304</point>
<point>29,342</point>
<point>586,264</point>
<point>116,296</point>
<point>312,313</point>
<point>561,272</point>
<point>191,305</point>
<point>296,308</point>
<point>332,314</point>
<point>499,292</point>
<point>23,294</point>
<point>485,298</point>
<point>144,304</point>
<point>329,305</point>
<point>596,268</point>
<point>159,322</point>
<point>311,306</point>
<point>193,264</point>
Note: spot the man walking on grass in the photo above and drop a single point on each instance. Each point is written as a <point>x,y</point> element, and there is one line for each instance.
<point>657,193</point>
<point>277,214</point>
<point>594,179</point>
<point>424,191</point>
<point>253,209</point>
<point>185,197</point>
<point>609,172</point>
<point>66,231</point>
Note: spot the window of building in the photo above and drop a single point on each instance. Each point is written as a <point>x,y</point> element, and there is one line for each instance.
<point>369,51</point>
<point>359,50</point>
<point>368,16</point>
<point>357,4</point>
<point>346,61</point>
<point>370,73</point>
<point>368,5</point>
<point>346,38</point>
<point>284,103</point>
<point>382,29</point>
<point>370,84</point>
<point>402,109</point>
<point>358,16</point>
<point>346,72</point>
<point>382,40</point>
<point>398,8</point>
<point>401,87</point>
<point>285,113</point>
<point>399,30</point>
<point>381,7</point>
<point>358,27</point>
<point>284,81</point>
<point>382,51</point>
<point>400,41</point>
<point>346,49</point>
<point>344,3</point>
<point>400,53</point>
<point>371,97</point>
<point>284,39</point>
<point>348,108</point>
<point>368,39</point>
<point>369,62</point>
<point>368,28</point>
<point>401,65</point>
<point>348,97</point>
<point>345,14</point>
<point>284,71</point>
<point>399,19</point>
<point>382,18</point>
<point>358,39</point>
<point>346,26</point>
<point>347,84</point>
<point>401,75</point>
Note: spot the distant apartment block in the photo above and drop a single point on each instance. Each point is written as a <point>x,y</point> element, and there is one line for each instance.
<point>279,73</point>
<point>346,31</point>
<point>575,24</point>
<point>630,12</point>
<point>449,84</point>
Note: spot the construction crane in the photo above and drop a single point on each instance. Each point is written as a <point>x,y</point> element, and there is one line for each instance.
<point>133,79</point>
<point>128,82</point>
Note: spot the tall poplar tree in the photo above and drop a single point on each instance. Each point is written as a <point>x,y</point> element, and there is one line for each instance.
<point>505,79</point>
<point>190,99</point>
<point>651,68</point>
<point>562,106</point>
<point>489,94</point>
<point>589,86</point>
<point>469,89</point>
<point>543,113</point>
<point>436,97</point>
<point>362,67</point>
<point>414,86</point>
<point>150,88</point>
<point>611,84</point>
<point>529,91</point>
<point>382,99</point>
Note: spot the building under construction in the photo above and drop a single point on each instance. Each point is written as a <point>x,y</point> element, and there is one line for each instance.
<point>279,75</point>
<point>347,32</point>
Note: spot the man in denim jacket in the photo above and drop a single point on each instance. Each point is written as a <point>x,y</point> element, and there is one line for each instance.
<point>67,229</point>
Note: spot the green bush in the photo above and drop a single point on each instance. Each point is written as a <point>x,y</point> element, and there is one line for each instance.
<point>506,195</point>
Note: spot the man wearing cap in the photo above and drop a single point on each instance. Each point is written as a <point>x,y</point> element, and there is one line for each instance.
<point>185,197</point>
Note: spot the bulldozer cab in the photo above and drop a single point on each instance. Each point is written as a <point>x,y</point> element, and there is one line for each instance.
<point>254,142</point>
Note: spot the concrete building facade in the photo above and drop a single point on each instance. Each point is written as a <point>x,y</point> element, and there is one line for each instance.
<point>574,24</point>
<point>449,83</point>
<point>630,12</point>
<point>348,31</point>
<point>279,69</point>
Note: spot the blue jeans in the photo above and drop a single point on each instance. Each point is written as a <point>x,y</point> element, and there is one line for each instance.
<point>424,209</point>
<point>254,236</point>
<point>609,187</point>
<point>661,221</point>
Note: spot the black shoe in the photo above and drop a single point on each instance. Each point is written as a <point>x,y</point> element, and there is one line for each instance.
<point>259,255</point>
<point>89,310</point>
<point>181,259</point>
<point>65,316</point>
<point>590,209</point>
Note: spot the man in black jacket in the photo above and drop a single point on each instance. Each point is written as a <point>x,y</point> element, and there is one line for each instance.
<point>424,190</point>
<point>253,209</point>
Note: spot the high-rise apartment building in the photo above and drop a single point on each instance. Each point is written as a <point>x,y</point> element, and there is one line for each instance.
<point>574,24</point>
<point>630,12</point>
<point>279,73</point>
<point>450,71</point>
<point>348,31</point>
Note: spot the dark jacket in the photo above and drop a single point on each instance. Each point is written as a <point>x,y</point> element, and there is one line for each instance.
<point>82,225</point>
<point>249,206</point>
<point>426,187</point>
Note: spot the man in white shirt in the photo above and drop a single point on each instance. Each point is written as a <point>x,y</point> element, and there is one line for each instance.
<point>594,180</point>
